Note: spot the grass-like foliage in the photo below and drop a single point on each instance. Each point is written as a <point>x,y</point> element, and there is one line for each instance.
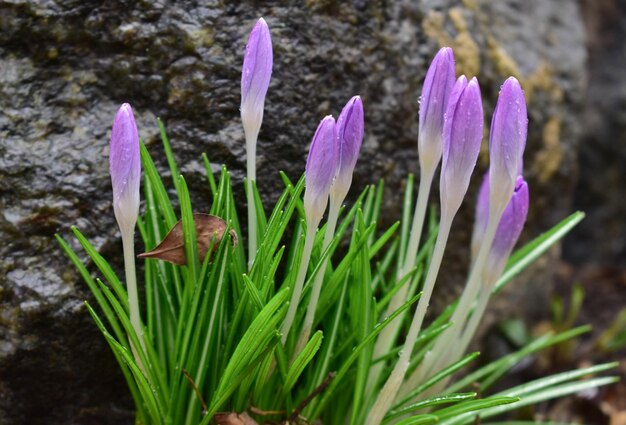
<point>321,324</point>
<point>211,338</point>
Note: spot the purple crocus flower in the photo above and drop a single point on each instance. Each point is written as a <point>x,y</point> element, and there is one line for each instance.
<point>507,141</point>
<point>349,138</point>
<point>433,103</point>
<point>462,135</point>
<point>255,77</point>
<point>508,232</point>
<point>125,168</point>
<point>255,80</point>
<point>321,166</point>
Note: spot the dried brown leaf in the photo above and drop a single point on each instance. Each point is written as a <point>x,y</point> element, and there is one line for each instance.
<point>172,247</point>
<point>232,418</point>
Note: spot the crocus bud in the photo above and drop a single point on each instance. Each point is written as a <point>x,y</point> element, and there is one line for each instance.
<point>349,138</point>
<point>433,103</point>
<point>462,135</point>
<point>508,232</point>
<point>321,166</point>
<point>507,141</point>
<point>255,77</point>
<point>125,169</point>
<point>481,217</point>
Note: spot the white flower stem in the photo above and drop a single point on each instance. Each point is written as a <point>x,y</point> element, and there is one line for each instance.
<point>433,361</point>
<point>390,390</point>
<point>388,335</point>
<point>128,245</point>
<point>474,321</point>
<point>457,349</point>
<point>418,221</point>
<point>251,141</point>
<point>297,290</point>
<point>331,224</point>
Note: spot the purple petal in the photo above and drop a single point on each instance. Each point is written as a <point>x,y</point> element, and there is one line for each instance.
<point>433,104</point>
<point>513,218</point>
<point>349,138</point>
<point>125,166</point>
<point>509,228</point>
<point>257,67</point>
<point>462,136</point>
<point>507,138</point>
<point>321,166</point>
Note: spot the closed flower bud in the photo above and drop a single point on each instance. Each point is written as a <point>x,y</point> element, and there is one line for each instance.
<point>462,135</point>
<point>321,166</point>
<point>433,103</point>
<point>507,141</point>
<point>509,230</point>
<point>349,138</point>
<point>125,168</point>
<point>255,77</point>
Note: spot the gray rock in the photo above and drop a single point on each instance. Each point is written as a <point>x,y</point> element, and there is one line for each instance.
<point>66,65</point>
<point>601,238</point>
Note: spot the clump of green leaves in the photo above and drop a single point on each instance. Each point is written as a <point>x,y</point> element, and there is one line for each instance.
<point>225,332</point>
<point>211,340</point>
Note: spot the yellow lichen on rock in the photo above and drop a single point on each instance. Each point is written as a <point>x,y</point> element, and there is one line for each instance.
<point>470,4</point>
<point>543,79</point>
<point>202,37</point>
<point>433,27</point>
<point>466,51</point>
<point>504,64</point>
<point>465,48</point>
<point>548,159</point>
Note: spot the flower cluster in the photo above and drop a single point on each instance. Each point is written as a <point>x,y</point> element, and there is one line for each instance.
<point>451,128</point>
<point>221,325</point>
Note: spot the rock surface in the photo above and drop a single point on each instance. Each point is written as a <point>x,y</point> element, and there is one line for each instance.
<point>66,65</point>
<point>601,238</point>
